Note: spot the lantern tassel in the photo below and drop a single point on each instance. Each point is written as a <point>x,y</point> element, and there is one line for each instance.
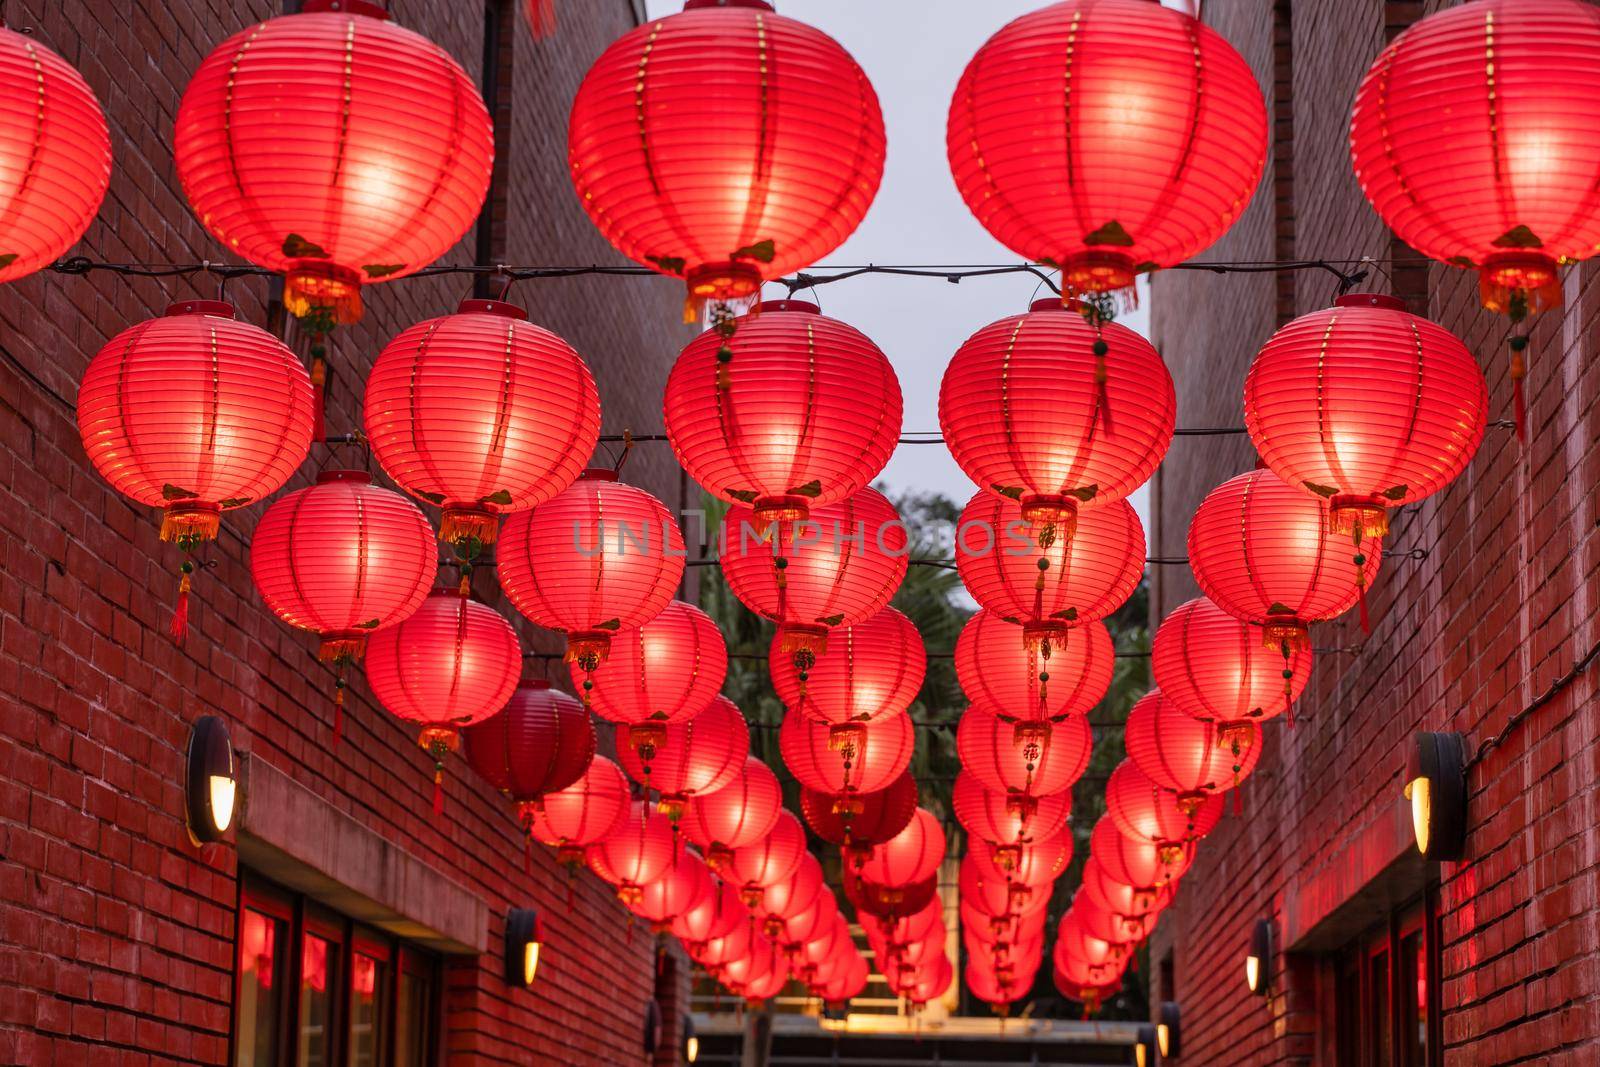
<point>527,854</point>
<point>572,884</point>
<point>1238,800</point>
<point>438,793</point>
<point>338,712</point>
<point>180,612</point>
<point>1519,402</point>
<point>319,386</point>
<point>541,18</point>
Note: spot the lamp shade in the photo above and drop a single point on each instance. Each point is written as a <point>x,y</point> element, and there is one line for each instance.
<point>997,667</point>
<point>1215,668</point>
<point>872,669</point>
<point>665,670</point>
<point>542,741</point>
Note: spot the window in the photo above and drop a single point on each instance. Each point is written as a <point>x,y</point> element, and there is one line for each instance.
<point>1387,998</point>
<point>316,989</point>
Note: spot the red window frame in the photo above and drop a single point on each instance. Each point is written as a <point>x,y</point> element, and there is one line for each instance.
<point>1375,1007</point>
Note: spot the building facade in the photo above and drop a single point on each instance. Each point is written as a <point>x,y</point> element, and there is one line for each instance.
<point>342,923</point>
<point>1485,605</point>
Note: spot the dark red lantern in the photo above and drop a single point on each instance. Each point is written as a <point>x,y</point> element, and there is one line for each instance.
<point>376,165</point>
<point>541,742</point>
<point>1139,863</point>
<point>998,818</point>
<point>1194,759</point>
<point>739,814</point>
<point>581,814</point>
<point>1144,811</point>
<point>876,817</point>
<point>872,669</point>
<point>911,856</point>
<point>844,765</point>
<point>888,902</point>
<point>793,411</point>
<point>770,860</point>
<point>482,413</point>
<point>752,146</point>
<point>1214,667</point>
<point>687,759</point>
<point>1107,137</point>
<point>662,671</point>
<point>639,850</point>
<point>1067,674</point>
<point>1024,760</point>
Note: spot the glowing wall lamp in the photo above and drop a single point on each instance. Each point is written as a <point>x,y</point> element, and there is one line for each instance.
<point>213,780</point>
<point>524,940</point>
<point>1258,964</point>
<point>1169,1036</point>
<point>1436,785</point>
<point>1144,1047</point>
<point>691,1041</point>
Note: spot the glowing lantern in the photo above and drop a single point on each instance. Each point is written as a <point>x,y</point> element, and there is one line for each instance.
<point>581,814</point>
<point>789,897</point>
<point>876,818</point>
<point>1142,810</point>
<point>997,818</point>
<point>1192,758</point>
<point>666,670</point>
<point>374,171</point>
<point>986,888</point>
<point>714,916</point>
<point>639,850</point>
<point>1034,864</point>
<point>759,975</point>
<point>770,860</point>
<point>888,902</point>
<point>691,758</point>
<point>873,669</point>
<point>913,855</point>
<point>1121,900</point>
<point>1067,674</point>
<point>860,761</point>
<point>1024,760</point>
<point>1135,862</point>
<point>847,984</point>
<point>813,922</point>
<point>685,884</point>
<point>541,742</point>
<point>994,989</point>
<point>714,952</point>
<point>1213,666</point>
<point>929,983</point>
<point>740,813</point>
<point>1098,921</point>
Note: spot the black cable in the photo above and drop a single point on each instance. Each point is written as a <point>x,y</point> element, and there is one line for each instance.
<point>1538,702</point>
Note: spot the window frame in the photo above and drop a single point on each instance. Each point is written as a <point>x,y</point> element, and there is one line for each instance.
<point>1356,1039</point>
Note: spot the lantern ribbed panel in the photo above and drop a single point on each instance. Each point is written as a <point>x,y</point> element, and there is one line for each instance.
<point>991,816</point>
<point>482,413</point>
<point>986,986</point>
<point>637,851</point>
<point>843,571</point>
<point>585,811</point>
<point>335,144</point>
<point>665,670</point>
<point>848,983</point>
<point>790,896</point>
<point>1262,549</point>
<point>726,135</point>
<point>1181,753</point>
<point>913,855</point>
<point>998,668</point>
<point>740,813</point>
<point>1022,414</point>
<point>1100,922</point>
<point>773,858</point>
<point>920,926</point>
<point>1087,579</point>
<point>834,939</point>
<point>1073,941</point>
<point>1215,667</point>
<point>888,902</point>
<point>1079,978</point>
<point>1120,899</point>
<point>195,410</point>
<point>872,669</point>
<point>812,922</point>
<point>343,558</point>
<point>683,886</point>
<point>598,557</point>
<point>1036,865</point>
<point>761,976</point>
<point>715,951</point>
<point>883,753</point>
<point>806,412</point>
<point>714,916</point>
<point>454,662</point>
<point>540,742</point>
<point>929,982</point>
<point>1144,811</point>
<point>1482,186</point>
<point>698,756</point>
<point>1107,136</point>
<point>988,890</point>
<point>884,813</point>
<point>988,748</point>
<point>1135,862</point>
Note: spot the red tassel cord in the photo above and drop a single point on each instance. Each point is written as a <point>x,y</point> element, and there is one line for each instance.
<point>1238,801</point>
<point>572,889</point>
<point>338,706</point>
<point>1519,400</point>
<point>1288,685</point>
<point>527,854</point>
<point>438,792</point>
<point>180,612</point>
<point>541,18</point>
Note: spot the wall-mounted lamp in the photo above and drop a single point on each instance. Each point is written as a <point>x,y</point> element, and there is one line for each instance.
<point>212,783</point>
<point>524,940</point>
<point>1144,1047</point>
<point>1169,1036</point>
<point>691,1041</point>
<point>1258,964</point>
<point>1436,785</point>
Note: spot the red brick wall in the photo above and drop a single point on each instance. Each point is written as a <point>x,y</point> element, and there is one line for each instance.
<point>1504,604</point>
<point>115,932</point>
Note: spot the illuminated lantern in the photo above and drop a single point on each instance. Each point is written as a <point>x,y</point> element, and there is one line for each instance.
<point>342,559</point>
<point>761,973</point>
<point>1124,931</point>
<point>930,983</point>
<point>813,922</point>
<point>716,951</point>
<point>714,916</point>
<point>639,850</point>
<point>1213,666</point>
<point>997,818</point>
<point>1194,759</point>
<point>875,818</point>
<point>1135,862</point>
<point>581,814</point>
<point>730,186</point>
<point>994,990</point>
<point>860,762</point>
<point>888,902</point>
<point>1075,942</point>
<point>698,756</point>
<point>793,411</point>
<point>1107,138</point>
<point>195,413</point>
<point>1065,675</point>
<point>847,984</point>
<point>837,568</point>
<point>336,148</point>
<point>598,558</point>
<point>541,742</point>
<point>482,413</point>
<point>1122,900</point>
<point>1264,552</point>
<point>816,958</point>
<point>740,813</point>
<point>987,889</point>
<point>770,860</point>
<point>685,884</point>
<point>666,670</point>
<point>1026,406</point>
<point>872,669</point>
<point>58,154</point>
<point>902,929</point>
<point>1049,588</point>
<point>789,897</point>
<point>913,855</point>
<point>1034,864</point>
<point>1024,760</point>
<point>1144,811</point>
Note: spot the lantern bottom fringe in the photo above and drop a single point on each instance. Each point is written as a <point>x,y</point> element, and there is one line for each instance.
<point>191,523</point>
<point>646,738</point>
<point>846,737</point>
<point>630,895</point>
<point>1285,632</point>
<point>1518,282</point>
<point>1358,517</point>
<point>1099,270</point>
<point>341,646</point>
<point>735,286</point>
<point>310,287</point>
<point>1189,802</point>
<point>588,648</point>
<point>848,804</point>
<point>1037,633</point>
<point>780,509</point>
<point>718,856</point>
<point>1051,517</point>
<point>570,856</point>
<point>1020,805</point>
<point>462,525</point>
<point>801,640</point>
<point>672,807</point>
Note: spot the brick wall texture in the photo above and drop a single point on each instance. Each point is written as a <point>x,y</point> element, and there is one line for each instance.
<point>1503,604</point>
<point>116,933</point>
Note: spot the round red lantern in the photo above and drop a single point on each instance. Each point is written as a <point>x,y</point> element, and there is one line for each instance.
<point>715,915</point>
<point>872,669</point>
<point>343,559</point>
<point>639,850</point>
<point>686,883</point>
<point>913,855</point>
<point>846,984</point>
<point>793,411</point>
<point>1136,862</point>
<point>1122,900</point>
<point>986,888</point>
<point>1034,864</point>
<point>770,860</point>
<point>482,413</point>
<point>1107,137</point>
<point>662,671</point>
<point>726,145</point>
<point>541,742</point>
<point>888,902</point>
<point>1048,588</point>
<point>335,147</point>
<point>1075,942</point>
<point>581,814</point>
<point>60,151</point>
<point>1144,811</point>
<point>1194,759</point>
<point>920,926</point>
<point>860,762</point>
<point>789,897</point>
<point>1214,667</point>
<point>598,558</point>
<point>739,814</point>
<point>874,819</point>
<point>760,976</point>
<point>999,819</point>
<point>818,957</point>
<point>814,922</point>
<point>690,758</point>
<point>997,990</point>
<point>1102,923</point>
<point>1024,760</point>
<point>714,952</point>
<point>1045,680</point>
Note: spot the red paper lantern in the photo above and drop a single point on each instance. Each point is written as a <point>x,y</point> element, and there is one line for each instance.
<point>1035,864</point>
<point>1192,758</point>
<point>54,135</point>
<point>814,922</point>
<point>882,814</point>
<point>816,957</point>
<point>789,897</point>
<point>685,884</point>
<point>581,814</point>
<point>482,413</point>
<point>999,819</point>
<point>639,850</point>
<point>872,669</point>
<point>1213,666</point>
<point>847,984</point>
<point>1024,760</point>
<point>663,671</point>
<point>687,758</point>
<point>1107,137</point>
<point>988,890</point>
<point>929,983</point>
<point>770,860</point>
<point>860,762</point>
<point>998,990</point>
<point>793,411</point>
<point>1142,810</point>
<point>598,558</point>
<point>335,147</point>
<point>1045,680</point>
<point>837,568</point>
<point>343,559</point>
<point>1074,942</point>
<point>541,742</point>
<point>1264,552</point>
<point>714,916</point>
<point>900,930</point>
<point>739,814</point>
<point>1104,924</point>
<point>1122,900</point>
<point>760,976</point>
<point>714,952</point>
<point>1139,863</point>
<point>913,855</point>
<point>726,145</point>
<point>888,902</point>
